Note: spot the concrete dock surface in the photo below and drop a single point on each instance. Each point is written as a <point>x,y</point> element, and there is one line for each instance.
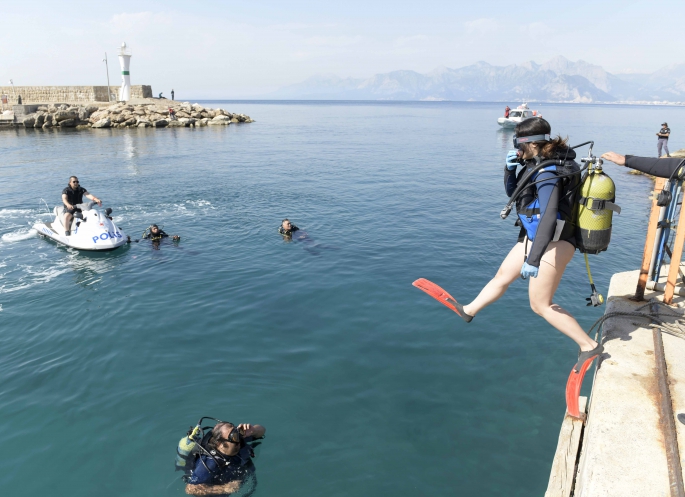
<point>633,442</point>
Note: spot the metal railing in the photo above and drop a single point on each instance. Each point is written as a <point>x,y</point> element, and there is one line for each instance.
<point>664,242</point>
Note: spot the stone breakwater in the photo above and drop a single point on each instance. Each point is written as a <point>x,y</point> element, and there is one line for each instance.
<point>122,115</point>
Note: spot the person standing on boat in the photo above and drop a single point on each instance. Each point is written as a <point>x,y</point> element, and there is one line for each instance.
<point>73,195</point>
<point>506,111</point>
<point>662,141</point>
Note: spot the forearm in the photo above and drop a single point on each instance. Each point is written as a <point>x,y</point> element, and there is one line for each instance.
<point>663,168</point>
<point>258,431</point>
<point>202,489</point>
<point>510,181</point>
<point>92,197</point>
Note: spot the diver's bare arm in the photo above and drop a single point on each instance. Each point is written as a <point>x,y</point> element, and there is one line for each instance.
<point>202,489</point>
<point>248,430</point>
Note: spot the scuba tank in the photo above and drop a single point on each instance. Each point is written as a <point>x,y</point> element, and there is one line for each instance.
<point>595,208</point>
<point>188,449</point>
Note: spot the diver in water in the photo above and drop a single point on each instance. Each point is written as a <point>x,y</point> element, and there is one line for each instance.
<point>546,241</point>
<point>226,463</point>
<point>155,234</point>
<point>287,228</point>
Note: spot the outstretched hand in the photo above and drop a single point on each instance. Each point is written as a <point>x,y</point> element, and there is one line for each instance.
<point>615,158</point>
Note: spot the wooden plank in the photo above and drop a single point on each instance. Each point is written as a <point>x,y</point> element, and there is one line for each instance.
<point>677,257</point>
<point>649,241</point>
<point>564,466</point>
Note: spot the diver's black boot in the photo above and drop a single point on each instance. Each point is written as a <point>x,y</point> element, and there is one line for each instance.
<point>460,311</point>
<point>588,354</point>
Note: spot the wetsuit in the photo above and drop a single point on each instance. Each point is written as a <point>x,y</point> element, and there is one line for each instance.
<point>290,232</point>
<point>555,200</point>
<point>229,468</point>
<point>148,235</point>
<point>663,168</point>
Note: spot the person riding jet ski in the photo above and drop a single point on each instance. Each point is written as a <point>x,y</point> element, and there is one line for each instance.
<point>73,195</point>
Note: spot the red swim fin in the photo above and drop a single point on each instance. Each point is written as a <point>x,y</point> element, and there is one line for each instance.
<point>437,293</point>
<point>573,385</point>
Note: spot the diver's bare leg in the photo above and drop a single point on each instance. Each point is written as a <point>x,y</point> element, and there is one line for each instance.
<point>508,272</point>
<point>541,291</point>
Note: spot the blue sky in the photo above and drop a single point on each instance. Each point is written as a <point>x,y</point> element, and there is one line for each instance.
<point>234,49</point>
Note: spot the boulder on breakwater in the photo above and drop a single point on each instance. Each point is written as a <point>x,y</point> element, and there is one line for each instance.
<point>124,115</point>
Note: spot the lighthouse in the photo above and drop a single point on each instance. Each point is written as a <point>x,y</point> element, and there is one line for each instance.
<point>125,61</point>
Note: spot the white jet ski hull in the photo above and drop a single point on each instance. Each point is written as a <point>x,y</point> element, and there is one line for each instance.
<point>94,232</point>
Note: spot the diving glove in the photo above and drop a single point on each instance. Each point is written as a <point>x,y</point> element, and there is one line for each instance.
<point>528,271</point>
<point>512,160</point>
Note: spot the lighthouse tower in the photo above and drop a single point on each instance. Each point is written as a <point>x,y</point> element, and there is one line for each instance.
<point>125,61</point>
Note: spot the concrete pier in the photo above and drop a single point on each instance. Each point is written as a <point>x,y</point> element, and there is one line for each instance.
<point>633,441</point>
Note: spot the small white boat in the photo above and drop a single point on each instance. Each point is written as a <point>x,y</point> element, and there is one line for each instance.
<point>93,229</point>
<point>516,116</point>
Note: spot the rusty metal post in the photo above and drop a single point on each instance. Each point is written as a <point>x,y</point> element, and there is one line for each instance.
<point>649,242</point>
<point>676,258</point>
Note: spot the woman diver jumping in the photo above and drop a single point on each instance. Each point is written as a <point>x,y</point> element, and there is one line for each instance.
<point>546,244</point>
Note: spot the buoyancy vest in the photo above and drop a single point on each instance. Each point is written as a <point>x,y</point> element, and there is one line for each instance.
<point>528,203</point>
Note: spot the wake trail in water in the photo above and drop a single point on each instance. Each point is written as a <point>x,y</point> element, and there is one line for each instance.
<point>19,235</point>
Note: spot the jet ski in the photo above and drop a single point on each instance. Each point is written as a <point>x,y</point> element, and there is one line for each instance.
<point>91,229</point>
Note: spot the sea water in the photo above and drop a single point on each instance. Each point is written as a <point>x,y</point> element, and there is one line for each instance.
<point>366,385</point>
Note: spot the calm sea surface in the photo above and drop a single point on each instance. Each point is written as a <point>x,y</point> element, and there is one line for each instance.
<point>365,384</point>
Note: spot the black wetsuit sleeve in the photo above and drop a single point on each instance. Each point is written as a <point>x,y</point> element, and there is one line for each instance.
<point>510,181</point>
<point>663,168</point>
<point>548,196</point>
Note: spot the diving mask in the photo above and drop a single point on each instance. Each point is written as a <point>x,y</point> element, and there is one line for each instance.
<point>518,141</point>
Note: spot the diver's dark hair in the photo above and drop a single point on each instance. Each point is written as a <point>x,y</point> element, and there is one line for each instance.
<point>539,126</point>
<point>217,437</point>
<point>154,226</point>
<point>286,219</point>
<point>72,177</point>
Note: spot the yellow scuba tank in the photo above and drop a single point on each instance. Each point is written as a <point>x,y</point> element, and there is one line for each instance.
<point>595,208</point>
<point>187,449</point>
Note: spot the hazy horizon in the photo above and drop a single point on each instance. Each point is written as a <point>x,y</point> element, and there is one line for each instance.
<point>232,50</point>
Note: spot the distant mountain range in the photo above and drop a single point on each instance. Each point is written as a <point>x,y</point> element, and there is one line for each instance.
<point>557,80</point>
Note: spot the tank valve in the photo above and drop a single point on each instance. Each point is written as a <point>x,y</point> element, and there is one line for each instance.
<point>505,212</point>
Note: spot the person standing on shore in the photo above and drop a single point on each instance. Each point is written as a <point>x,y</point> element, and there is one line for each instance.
<point>172,94</point>
<point>662,141</point>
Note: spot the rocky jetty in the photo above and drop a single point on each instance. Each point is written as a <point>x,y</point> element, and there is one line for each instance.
<point>123,115</point>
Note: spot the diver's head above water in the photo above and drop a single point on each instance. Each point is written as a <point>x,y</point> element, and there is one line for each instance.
<point>532,138</point>
<point>287,227</point>
<point>226,438</point>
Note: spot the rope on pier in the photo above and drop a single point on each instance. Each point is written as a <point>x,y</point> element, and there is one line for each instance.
<point>676,329</point>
